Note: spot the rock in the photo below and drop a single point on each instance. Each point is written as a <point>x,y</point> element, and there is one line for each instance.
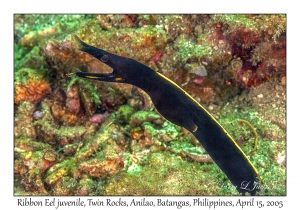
<point>140,117</point>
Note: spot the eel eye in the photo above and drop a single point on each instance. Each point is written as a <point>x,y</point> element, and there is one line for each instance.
<point>104,58</point>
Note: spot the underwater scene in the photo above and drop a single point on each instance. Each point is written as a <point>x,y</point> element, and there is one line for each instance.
<point>149,104</point>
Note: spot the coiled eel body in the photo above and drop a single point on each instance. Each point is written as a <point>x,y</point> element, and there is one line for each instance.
<point>180,108</point>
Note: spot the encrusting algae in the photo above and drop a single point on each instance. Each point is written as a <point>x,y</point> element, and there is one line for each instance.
<point>30,87</point>
<point>80,137</point>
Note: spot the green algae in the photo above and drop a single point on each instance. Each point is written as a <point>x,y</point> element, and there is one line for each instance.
<point>170,129</point>
<point>125,112</point>
<point>138,43</point>
<point>166,133</point>
<point>268,150</point>
<point>23,75</point>
<point>31,144</point>
<point>185,145</point>
<point>161,162</point>
<point>134,169</point>
<point>271,23</point>
<point>31,59</point>
<point>238,21</point>
<point>51,133</point>
<point>70,132</point>
<point>163,170</point>
<point>32,29</point>
<point>188,49</point>
<point>88,88</point>
<point>140,117</point>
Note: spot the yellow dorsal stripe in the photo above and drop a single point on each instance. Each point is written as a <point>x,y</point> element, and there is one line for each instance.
<point>188,95</point>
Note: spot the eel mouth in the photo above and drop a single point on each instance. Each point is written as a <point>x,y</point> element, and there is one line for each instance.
<point>95,76</point>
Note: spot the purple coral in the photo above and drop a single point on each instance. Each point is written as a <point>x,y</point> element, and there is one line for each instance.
<point>73,105</point>
<point>98,118</point>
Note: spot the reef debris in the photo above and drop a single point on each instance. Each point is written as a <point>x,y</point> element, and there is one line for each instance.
<point>77,137</point>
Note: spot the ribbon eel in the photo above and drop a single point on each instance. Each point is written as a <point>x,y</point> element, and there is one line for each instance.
<point>177,106</point>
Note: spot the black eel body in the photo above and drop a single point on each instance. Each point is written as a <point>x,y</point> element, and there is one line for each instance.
<point>180,108</point>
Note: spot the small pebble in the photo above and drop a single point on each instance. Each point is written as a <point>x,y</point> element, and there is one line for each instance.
<point>260,96</point>
<point>38,115</point>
